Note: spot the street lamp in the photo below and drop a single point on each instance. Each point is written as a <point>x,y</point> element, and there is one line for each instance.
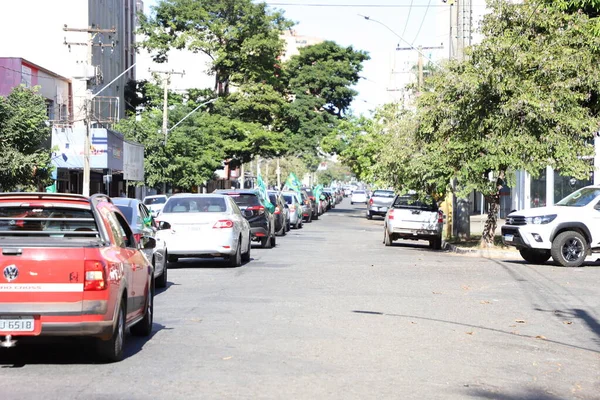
<point>184,118</point>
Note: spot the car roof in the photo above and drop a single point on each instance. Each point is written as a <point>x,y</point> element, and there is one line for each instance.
<point>124,201</point>
<point>152,196</point>
<point>236,191</point>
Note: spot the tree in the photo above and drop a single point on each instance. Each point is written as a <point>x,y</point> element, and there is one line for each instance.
<point>24,140</point>
<point>240,37</point>
<point>527,97</point>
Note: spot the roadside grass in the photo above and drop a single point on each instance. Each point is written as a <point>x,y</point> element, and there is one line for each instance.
<point>475,241</point>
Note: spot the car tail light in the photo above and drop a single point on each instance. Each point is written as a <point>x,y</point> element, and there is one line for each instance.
<point>95,275</point>
<point>258,209</point>
<point>223,224</point>
<point>440,217</point>
<point>391,214</point>
<point>371,202</point>
<point>277,210</point>
<point>312,198</point>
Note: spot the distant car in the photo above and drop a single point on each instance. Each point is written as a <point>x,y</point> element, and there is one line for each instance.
<point>281,213</point>
<point>413,219</point>
<point>295,207</point>
<point>314,203</point>
<point>307,212</point>
<point>72,267</point>
<point>359,196</point>
<point>142,224</point>
<point>155,203</point>
<point>380,202</point>
<point>204,226</point>
<point>261,220</point>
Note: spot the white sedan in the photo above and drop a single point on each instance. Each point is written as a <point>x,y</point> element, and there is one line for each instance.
<point>359,196</point>
<point>204,226</point>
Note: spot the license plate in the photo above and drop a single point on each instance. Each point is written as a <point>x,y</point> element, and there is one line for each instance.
<point>17,324</point>
<point>508,238</point>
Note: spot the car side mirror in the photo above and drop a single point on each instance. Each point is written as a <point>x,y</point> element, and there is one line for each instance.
<point>148,243</point>
<point>597,207</point>
<point>162,225</point>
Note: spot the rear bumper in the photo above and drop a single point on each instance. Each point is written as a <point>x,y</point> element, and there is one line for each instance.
<point>416,234</point>
<point>98,329</point>
<point>259,232</point>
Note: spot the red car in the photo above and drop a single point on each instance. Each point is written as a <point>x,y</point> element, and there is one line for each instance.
<point>71,266</point>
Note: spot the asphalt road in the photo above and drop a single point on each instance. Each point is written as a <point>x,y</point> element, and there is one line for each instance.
<point>331,313</point>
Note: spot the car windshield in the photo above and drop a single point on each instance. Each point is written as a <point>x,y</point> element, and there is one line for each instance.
<point>383,193</point>
<point>195,204</point>
<point>580,198</point>
<point>154,200</point>
<point>411,201</point>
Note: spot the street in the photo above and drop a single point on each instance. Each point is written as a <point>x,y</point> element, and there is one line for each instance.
<point>331,313</point>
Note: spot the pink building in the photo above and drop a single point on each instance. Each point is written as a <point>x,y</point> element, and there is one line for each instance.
<point>57,90</point>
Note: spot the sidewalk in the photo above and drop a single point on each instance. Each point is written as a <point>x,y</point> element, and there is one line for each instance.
<point>477,224</point>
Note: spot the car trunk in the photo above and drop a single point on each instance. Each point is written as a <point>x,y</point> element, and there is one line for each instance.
<point>415,219</point>
<point>193,222</point>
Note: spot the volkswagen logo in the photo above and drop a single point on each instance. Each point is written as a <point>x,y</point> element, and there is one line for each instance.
<point>11,272</point>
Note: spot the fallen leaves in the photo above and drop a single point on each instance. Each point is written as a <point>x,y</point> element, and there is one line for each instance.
<point>436,292</point>
<point>485,302</point>
<point>227,358</point>
<point>541,337</point>
<point>470,333</point>
<point>520,321</point>
<point>567,322</point>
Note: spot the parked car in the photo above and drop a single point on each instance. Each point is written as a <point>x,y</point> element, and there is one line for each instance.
<point>568,231</point>
<point>72,267</point>
<point>314,203</point>
<point>414,219</point>
<point>307,212</point>
<point>204,226</point>
<point>330,198</point>
<point>155,203</point>
<point>142,224</point>
<point>295,208</point>
<point>261,220</point>
<point>380,202</point>
<point>281,213</point>
<point>359,196</point>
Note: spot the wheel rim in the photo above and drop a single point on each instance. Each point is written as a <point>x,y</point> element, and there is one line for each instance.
<point>120,333</point>
<point>572,250</point>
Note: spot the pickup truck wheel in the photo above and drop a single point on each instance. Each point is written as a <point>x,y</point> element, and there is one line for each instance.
<point>569,249</point>
<point>172,259</point>
<point>387,240</point>
<point>144,327</point>
<point>111,350</point>
<point>535,256</point>
<point>435,243</point>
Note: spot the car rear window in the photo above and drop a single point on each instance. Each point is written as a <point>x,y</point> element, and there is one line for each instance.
<point>44,221</point>
<point>245,199</point>
<point>359,192</point>
<point>127,212</point>
<point>409,201</point>
<point>154,200</point>
<point>383,193</point>
<point>195,204</point>
<point>288,198</point>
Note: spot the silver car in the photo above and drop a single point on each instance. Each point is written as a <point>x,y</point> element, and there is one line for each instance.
<point>413,219</point>
<point>295,206</point>
<point>142,224</point>
<point>155,203</point>
<point>204,226</point>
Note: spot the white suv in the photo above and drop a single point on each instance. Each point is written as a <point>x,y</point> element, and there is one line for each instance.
<point>567,231</point>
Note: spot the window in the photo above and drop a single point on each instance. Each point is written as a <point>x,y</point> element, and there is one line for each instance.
<point>50,109</point>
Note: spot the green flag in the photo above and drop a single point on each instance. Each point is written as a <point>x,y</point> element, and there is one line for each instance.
<point>262,190</point>
<point>51,188</point>
<point>317,191</point>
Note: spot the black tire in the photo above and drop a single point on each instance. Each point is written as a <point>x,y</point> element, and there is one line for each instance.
<point>246,255</point>
<point>535,256</point>
<point>369,215</point>
<point>435,243</point>
<point>387,240</point>
<point>172,259</point>
<point>111,350</point>
<point>144,327</point>
<point>298,224</point>
<point>235,260</point>
<point>352,203</point>
<point>161,281</point>
<point>569,249</point>
<point>288,226</point>
<point>265,242</point>
<point>316,216</point>
<point>273,241</point>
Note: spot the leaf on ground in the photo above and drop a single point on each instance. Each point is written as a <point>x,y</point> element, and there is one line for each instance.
<point>470,333</point>
<point>485,302</point>
<point>520,321</point>
<point>465,287</point>
<point>567,322</point>
<point>540,337</point>
<point>436,292</point>
<point>227,358</point>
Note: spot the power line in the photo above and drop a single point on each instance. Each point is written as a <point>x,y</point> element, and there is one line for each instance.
<point>361,5</point>
<point>407,17</point>
<point>422,22</point>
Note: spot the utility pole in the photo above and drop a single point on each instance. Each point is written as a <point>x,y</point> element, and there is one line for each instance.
<point>278,171</point>
<point>165,81</point>
<point>420,60</point>
<point>92,33</point>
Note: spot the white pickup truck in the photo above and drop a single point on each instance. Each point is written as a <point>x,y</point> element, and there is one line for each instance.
<point>413,219</point>
<point>568,232</point>
<point>380,202</point>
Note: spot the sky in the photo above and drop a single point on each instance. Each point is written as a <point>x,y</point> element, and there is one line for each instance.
<point>401,23</point>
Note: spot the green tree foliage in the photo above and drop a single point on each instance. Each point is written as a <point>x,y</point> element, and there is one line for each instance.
<point>24,140</point>
<point>240,37</point>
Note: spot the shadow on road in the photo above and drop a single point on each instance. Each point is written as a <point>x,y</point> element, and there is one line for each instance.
<point>162,290</point>
<point>64,351</point>
<point>529,394</point>
<point>378,313</point>
<point>203,263</point>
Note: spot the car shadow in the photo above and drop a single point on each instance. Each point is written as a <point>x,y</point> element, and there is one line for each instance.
<point>202,263</point>
<point>65,350</point>
<point>162,290</point>
<point>551,263</point>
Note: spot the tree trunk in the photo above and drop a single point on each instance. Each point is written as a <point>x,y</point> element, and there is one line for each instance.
<point>489,230</point>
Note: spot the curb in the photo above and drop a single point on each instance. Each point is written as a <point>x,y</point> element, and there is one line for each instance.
<point>483,253</point>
